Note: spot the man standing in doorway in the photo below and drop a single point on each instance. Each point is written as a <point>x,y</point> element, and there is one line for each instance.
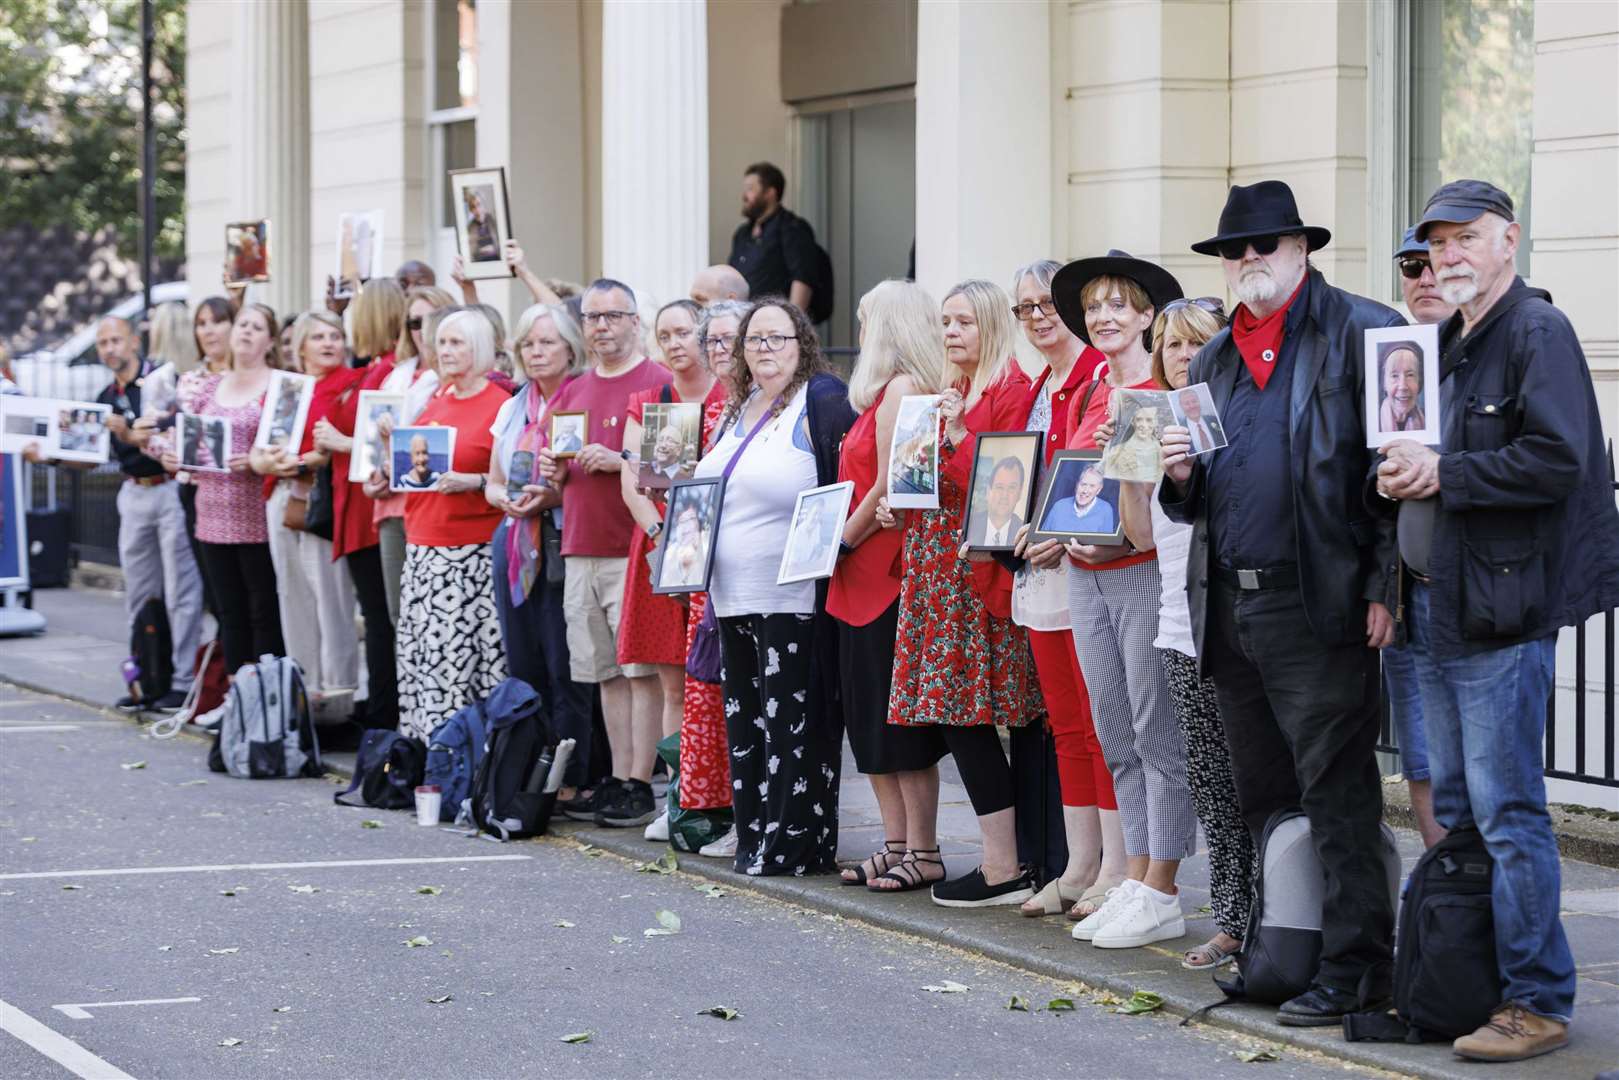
<point>774,249</point>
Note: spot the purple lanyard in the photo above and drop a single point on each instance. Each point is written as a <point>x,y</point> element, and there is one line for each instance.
<point>736,457</point>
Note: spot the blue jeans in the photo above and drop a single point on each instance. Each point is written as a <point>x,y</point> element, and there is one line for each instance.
<point>1405,707</point>
<point>1486,721</point>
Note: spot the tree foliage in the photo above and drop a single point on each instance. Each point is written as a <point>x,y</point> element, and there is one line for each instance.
<point>70,118</point>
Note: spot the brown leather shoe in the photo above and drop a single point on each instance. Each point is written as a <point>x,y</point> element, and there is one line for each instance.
<point>1512,1034</point>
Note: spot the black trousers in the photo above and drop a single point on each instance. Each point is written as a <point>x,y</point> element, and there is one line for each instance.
<point>1301,720</point>
<point>188,503</point>
<point>249,613</point>
<point>985,772</point>
<point>382,706</point>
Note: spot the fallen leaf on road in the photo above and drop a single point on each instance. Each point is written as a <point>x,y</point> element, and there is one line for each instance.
<point>130,766</point>
<point>669,924</point>
<point>29,839</point>
<point>1256,1055</point>
<point>417,942</point>
<point>191,783</point>
<point>1142,1001</point>
<point>577,1037</point>
<point>591,850</point>
<point>282,1008</point>
<point>225,952</point>
<point>1018,1004</point>
<point>230,1042</point>
<point>211,813</point>
<point>663,864</point>
<point>164,948</point>
<point>370,823</point>
<point>617,940</point>
<point>948,987</point>
<point>444,952</point>
<point>429,890</point>
<point>441,999</point>
<point>709,889</point>
<point>1060,1005</point>
<point>228,892</point>
<point>72,888</point>
<point>564,924</point>
<point>724,1012</point>
<point>305,889</point>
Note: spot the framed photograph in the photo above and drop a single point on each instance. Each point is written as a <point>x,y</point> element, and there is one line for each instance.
<point>1139,418</point>
<point>204,442</point>
<point>14,481</point>
<point>671,442</point>
<point>1077,502</point>
<point>569,432</point>
<point>25,420</point>
<point>913,454</point>
<point>286,407</point>
<point>81,432</point>
<point>1402,384</point>
<point>521,472</point>
<point>1005,466</point>
<point>420,455</point>
<point>369,451</point>
<point>1194,410</point>
<point>690,523</point>
<point>359,249</point>
<point>483,220</point>
<point>247,252</point>
<point>815,534</point>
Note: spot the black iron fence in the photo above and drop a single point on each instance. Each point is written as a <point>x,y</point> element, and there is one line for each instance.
<point>90,499</point>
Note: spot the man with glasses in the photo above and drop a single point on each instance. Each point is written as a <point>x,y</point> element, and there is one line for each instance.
<point>1286,578</point>
<point>596,531</point>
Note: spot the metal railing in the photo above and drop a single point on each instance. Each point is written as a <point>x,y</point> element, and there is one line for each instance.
<point>91,499</point>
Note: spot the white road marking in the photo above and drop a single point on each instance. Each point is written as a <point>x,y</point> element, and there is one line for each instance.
<point>59,1048</point>
<point>215,868</point>
<point>77,1011</point>
<point>15,729</point>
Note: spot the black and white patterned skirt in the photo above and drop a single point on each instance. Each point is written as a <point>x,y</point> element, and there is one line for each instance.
<point>450,652</point>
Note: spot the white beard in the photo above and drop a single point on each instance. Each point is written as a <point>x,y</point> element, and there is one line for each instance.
<point>1458,287</point>
<point>1256,287</point>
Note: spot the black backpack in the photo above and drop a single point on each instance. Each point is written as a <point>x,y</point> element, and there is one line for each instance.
<point>387,769</point>
<point>508,797</point>
<point>1446,982</point>
<point>151,653</point>
<point>822,288</point>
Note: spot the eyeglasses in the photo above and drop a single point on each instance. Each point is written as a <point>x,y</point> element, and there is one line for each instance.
<point>1262,245</point>
<point>1412,267</point>
<point>413,323</point>
<point>611,318</point>
<point>722,342</point>
<point>767,342</point>
<point>1211,304</point>
<point>1025,311</point>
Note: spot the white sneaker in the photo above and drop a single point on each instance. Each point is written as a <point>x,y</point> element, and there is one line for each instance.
<point>659,829</point>
<point>1144,919</point>
<point>1117,897</point>
<point>209,721</point>
<point>723,848</point>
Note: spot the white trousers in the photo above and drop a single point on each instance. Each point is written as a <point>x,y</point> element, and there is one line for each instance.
<point>316,597</point>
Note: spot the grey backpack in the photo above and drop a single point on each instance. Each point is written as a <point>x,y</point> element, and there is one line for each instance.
<point>267,732</point>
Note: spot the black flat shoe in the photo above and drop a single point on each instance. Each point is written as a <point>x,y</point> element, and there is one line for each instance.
<point>1324,1006</point>
<point>971,891</point>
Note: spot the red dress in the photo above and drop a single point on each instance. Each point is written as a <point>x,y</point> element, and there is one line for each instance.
<point>651,628</point>
<point>705,760</point>
<point>353,528</point>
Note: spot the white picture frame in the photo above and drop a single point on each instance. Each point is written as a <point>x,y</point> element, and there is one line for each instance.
<point>359,250</point>
<point>479,196</point>
<point>286,408</point>
<point>202,443</point>
<point>369,448</point>
<point>815,533</point>
<point>26,421</point>
<point>913,454</point>
<point>81,432</point>
<point>1134,453</point>
<point>1210,435</point>
<point>1410,350</point>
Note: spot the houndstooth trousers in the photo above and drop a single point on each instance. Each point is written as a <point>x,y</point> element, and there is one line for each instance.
<point>1115,617</point>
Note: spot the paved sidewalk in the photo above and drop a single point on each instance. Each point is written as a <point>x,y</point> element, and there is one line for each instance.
<point>78,658</point>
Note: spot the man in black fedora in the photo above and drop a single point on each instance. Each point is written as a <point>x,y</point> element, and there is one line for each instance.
<point>1287,573</point>
<point>1521,538</point>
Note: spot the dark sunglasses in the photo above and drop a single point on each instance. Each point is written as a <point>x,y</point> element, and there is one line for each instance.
<point>1412,267</point>
<point>413,323</point>
<point>1211,304</point>
<point>1262,245</point>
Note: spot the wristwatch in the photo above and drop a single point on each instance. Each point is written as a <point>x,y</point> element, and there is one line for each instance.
<point>653,530</point>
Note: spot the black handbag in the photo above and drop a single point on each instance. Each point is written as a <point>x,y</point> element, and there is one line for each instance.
<point>319,511</point>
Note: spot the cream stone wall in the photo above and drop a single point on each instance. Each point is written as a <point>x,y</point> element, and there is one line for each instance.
<point>745,125</point>
<point>209,29</point>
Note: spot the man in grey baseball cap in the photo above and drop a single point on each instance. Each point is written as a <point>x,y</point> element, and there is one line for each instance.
<point>1525,540</point>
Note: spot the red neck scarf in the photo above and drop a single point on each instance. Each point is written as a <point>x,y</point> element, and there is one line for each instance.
<point>1260,340</point>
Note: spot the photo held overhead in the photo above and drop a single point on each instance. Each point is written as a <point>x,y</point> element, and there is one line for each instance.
<point>482,221</point>
<point>247,252</point>
<point>359,250</point>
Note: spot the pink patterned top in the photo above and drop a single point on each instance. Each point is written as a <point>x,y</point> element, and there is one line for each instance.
<point>230,506</point>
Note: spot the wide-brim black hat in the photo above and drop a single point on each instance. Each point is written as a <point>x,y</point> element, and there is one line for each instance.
<point>1069,283</point>
<point>1263,209</point>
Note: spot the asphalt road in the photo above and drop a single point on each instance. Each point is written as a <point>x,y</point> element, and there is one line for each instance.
<point>308,967</point>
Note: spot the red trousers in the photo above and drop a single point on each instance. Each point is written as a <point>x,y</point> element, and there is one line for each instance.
<point>1083,774</point>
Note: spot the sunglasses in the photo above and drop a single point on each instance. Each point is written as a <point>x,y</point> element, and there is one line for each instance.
<point>1262,245</point>
<point>1412,267</point>
<point>1211,304</point>
<point>413,323</point>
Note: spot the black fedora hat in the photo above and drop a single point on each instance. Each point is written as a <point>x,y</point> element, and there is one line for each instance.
<point>1069,283</point>
<point>1263,209</point>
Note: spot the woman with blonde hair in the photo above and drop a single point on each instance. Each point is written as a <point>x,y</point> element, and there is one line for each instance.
<point>172,352</point>
<point>900,353</point>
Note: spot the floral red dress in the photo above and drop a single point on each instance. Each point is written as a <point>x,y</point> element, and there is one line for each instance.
<point>705,760</point>
<point>954,662</point>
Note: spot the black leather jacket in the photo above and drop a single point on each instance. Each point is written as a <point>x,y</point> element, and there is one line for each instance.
<point>1343,550</point>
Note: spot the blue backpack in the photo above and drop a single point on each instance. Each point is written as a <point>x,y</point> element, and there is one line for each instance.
<point>454,751</point>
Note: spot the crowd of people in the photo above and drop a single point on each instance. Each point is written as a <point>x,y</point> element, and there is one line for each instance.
<point>1221,661</point>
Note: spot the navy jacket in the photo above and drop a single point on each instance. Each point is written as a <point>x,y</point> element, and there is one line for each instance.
<point>830,417</point>
<point>1526,538</point>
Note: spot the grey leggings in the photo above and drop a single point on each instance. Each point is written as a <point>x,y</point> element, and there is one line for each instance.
<point>391,538</point>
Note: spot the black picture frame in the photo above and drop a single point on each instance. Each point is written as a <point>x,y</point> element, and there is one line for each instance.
<point>1030,457</point>
<point>1063,473</point>
<point>682,494</point>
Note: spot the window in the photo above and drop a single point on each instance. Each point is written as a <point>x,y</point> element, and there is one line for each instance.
<point>1472,85</point>
<point>453,115</point>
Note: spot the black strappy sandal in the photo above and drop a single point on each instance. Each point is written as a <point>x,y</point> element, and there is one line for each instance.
<point>906,873</point>
<point>879,862</point>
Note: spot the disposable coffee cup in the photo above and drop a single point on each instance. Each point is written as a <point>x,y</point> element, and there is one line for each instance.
<point>428,800</point>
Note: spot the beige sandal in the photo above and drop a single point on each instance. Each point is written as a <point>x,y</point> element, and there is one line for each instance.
<point>1093,898</point>
<point>1054,899</point>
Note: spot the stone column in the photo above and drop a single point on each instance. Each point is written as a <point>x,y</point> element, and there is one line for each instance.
<point>268,161</point>
<point>654,145</point>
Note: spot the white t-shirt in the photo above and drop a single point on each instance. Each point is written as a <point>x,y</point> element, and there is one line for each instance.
<point>1174,543</point>
<point>417,392</point>
<point>759,498</point>
<point>1040,597</point>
